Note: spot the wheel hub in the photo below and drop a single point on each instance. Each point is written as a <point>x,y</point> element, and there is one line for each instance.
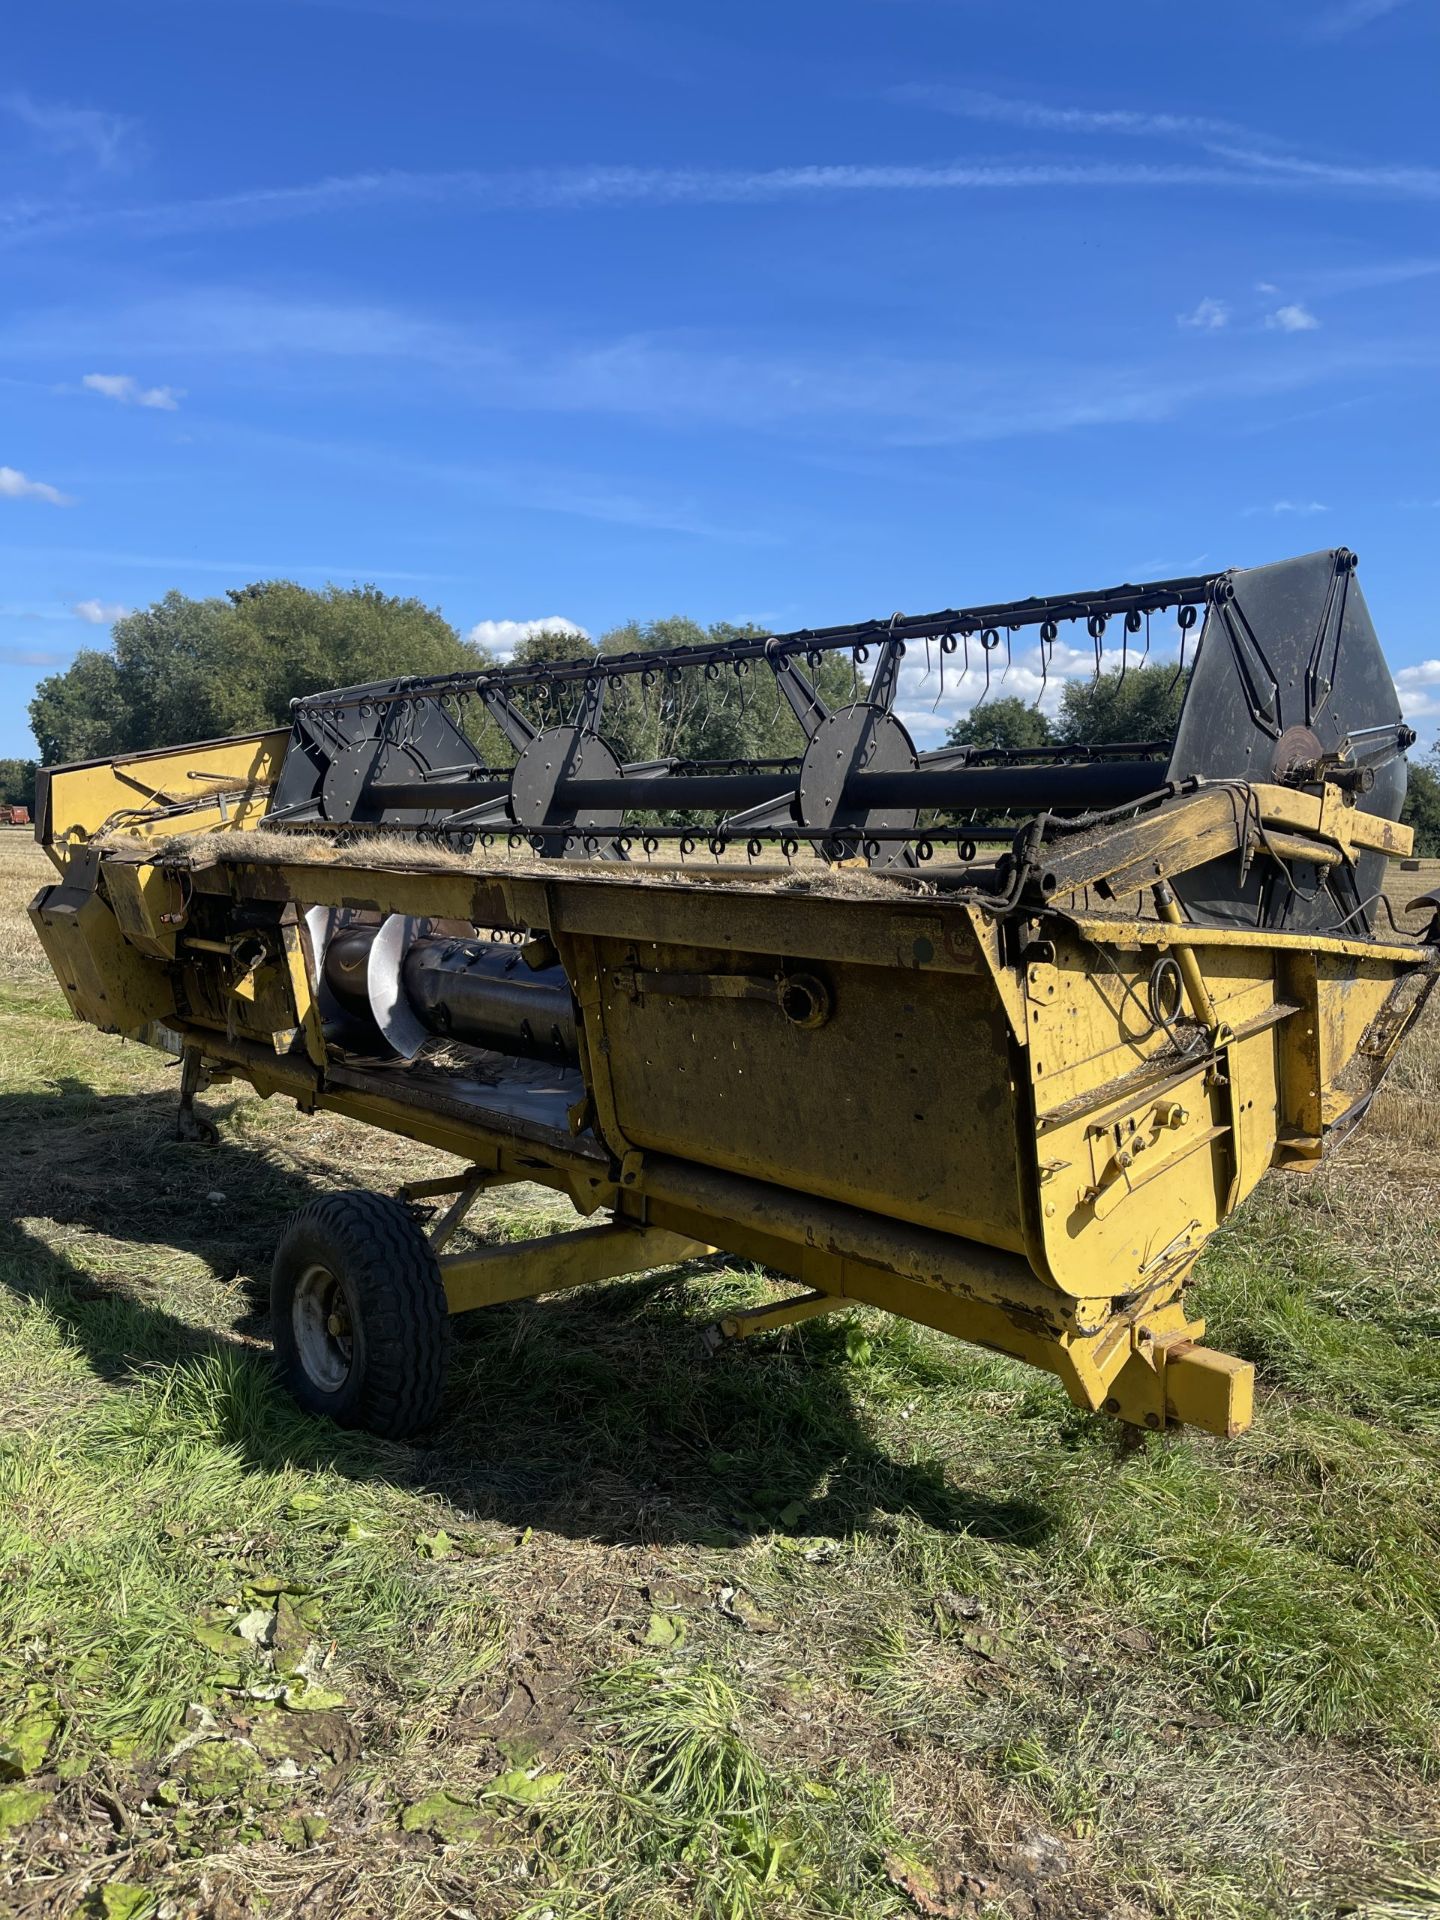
<point>323,1327</point>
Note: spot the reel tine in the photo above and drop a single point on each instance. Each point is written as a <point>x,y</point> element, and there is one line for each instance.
<point>948,643</point>
<point>1048,632</point>
<point>1186,620</point>
<point>989,640</point>
<point>1095,626</point>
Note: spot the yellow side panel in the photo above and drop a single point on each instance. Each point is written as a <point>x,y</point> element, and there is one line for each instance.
<point>1138,1159</point>
<point>1352,993</point>
<point>902,1101</point>
<point>141,896</point>
<point>187,789</point>
<point>104,978</point>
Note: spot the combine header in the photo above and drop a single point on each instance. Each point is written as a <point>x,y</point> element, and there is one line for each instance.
<point>992,1039</point>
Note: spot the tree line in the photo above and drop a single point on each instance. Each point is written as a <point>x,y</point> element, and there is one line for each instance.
<point>196,669</point>
<point>187,669</point>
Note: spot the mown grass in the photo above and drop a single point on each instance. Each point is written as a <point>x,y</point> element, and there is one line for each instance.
<point>852,1621</point>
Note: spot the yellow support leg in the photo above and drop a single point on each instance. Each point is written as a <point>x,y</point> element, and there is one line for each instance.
<point>559,1260</point>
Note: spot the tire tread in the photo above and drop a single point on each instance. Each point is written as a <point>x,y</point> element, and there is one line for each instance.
<point>397,1284</point>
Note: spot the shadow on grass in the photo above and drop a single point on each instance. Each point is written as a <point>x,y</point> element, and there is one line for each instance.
<point>595,1414</point>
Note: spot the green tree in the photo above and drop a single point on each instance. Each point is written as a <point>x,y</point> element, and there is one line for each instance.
<point>1422,805</point>
<point>553,643</point>
<point>186,669</point>
<point>305,641</point>
<point>540,706</point>
<point>1010,722</point>
<point>695,716</point>
<point>1141,703</point>
<point>17,783</point>
<point>724,716</point>
<point>81,714</point>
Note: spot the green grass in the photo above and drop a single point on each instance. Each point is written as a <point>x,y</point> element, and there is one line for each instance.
<point>845,1622</point>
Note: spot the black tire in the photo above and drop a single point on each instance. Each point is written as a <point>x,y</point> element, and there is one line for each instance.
<point>358,1315</point>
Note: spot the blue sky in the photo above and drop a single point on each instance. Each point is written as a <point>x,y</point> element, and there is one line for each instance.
<point>793,312</point>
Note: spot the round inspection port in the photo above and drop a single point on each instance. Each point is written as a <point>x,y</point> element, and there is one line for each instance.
<point>805,1000</point>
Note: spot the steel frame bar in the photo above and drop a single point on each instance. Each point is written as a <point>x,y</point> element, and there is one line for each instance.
<point>1103,603</point>
<point>1092,783</point>
<point>747,1322</point>
<point>552,1263</point>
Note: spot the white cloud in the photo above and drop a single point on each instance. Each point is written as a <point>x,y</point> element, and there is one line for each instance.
<point>1349,15</point>
<point>1419,690</point>
<point>125,388</point>
<point>897,399</point>
<point>1375,273</point>
<point>502,637</point>
<point>901,400</point>
<point>100,613</point>
<point>1292,319</point>
<point>15,485</point>
<point>1406,182</point>
<point>1209,316</point>
<point>60,129</point>
<point>1039,116</point>
<point>1246,169</point>
<point>1290,506</point>
<point>600,188</point>
<point>1266,286</point>
<point>971,103</point>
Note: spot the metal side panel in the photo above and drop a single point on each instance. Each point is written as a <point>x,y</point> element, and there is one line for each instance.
<point>889,1089</point>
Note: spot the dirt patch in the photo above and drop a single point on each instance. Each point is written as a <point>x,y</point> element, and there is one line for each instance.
<point>528,1714</point>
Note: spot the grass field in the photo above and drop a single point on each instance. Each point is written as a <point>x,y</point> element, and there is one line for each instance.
<point>855,1621</point>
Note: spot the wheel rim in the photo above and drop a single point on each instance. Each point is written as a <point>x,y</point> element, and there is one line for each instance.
<point>324,1328</point>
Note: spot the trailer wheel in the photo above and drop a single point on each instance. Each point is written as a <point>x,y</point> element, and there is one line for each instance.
<point>358,1315</point>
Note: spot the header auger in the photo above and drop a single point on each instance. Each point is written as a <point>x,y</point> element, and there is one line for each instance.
<point>992,1039</point>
